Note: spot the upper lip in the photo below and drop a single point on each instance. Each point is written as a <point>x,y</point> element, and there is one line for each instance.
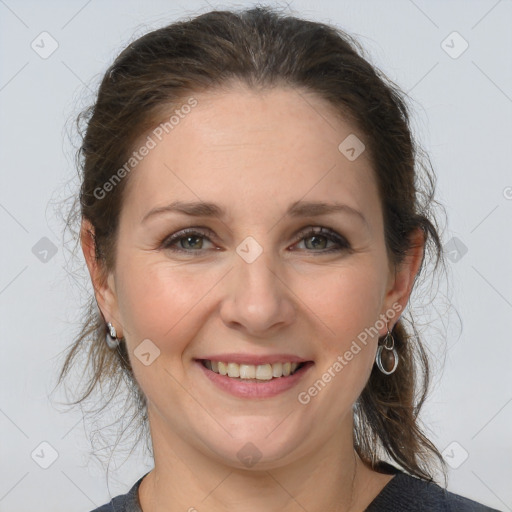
<point>255,359</point>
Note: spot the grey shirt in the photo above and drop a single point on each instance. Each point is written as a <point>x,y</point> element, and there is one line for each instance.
<point>403,493</point>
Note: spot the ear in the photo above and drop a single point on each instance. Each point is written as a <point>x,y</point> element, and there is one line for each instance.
<point>402,277</point>
<point>102,280</point>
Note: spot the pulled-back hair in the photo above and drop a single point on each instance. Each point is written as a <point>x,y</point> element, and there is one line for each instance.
<point>264,48</point>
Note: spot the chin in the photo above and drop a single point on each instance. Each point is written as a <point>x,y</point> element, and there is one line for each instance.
<point>255,448</point>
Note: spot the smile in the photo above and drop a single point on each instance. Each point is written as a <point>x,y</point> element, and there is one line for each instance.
<point>253,381</point>
<point>251,371</point>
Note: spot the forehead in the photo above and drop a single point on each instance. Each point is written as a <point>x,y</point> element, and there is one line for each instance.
<point>248,148</point>
<point>285,117</point>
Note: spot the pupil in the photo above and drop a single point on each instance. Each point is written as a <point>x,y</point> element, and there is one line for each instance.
<point>315,244</point>
<point>188,238</point>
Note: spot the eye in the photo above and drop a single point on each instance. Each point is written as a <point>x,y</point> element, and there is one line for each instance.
<point>191,240</point>
<point>188,241</point>
<point>320,236</point>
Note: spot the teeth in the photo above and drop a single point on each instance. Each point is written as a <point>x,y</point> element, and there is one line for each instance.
<point>251,371</point>
<point>277,369</point>
<point>247,371</point>
<point>233,370</point>
<point>264,372</point>
<point>223,369</point>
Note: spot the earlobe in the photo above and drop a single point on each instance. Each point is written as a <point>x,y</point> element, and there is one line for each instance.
<point>102,281</point>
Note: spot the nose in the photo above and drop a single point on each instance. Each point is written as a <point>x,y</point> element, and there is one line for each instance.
<point>258,299</point>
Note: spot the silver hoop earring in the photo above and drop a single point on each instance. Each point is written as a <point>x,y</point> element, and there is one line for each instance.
<point>111,337</point>
<point>390,353</point>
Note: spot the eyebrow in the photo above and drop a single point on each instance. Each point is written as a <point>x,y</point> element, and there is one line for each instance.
<point>296,209</point>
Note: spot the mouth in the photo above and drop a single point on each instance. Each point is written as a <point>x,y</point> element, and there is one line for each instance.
<point>259,381</point>
<point>252,372</point>
<point>253,376</point>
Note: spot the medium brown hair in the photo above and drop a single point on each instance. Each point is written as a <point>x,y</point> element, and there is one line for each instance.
<point>264,48</point>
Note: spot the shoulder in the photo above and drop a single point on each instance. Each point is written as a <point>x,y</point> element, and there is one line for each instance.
<point>128,502</point>
<point>406,493</point>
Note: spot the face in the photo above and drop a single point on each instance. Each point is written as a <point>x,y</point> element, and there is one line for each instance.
<point>264,280</point>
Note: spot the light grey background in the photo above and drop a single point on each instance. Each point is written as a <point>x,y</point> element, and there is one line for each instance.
<point>463,118</point>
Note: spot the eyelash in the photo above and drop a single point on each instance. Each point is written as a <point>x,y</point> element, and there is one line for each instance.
<point>328,233</point>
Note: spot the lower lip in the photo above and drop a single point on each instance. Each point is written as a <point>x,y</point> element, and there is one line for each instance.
<point>262,389</point>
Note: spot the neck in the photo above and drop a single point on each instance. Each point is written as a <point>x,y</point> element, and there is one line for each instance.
<point>332,478</point>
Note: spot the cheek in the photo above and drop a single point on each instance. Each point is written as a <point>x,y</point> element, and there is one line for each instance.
<point>345,301</point>
<point>156,299</point>
<point>347,305</point>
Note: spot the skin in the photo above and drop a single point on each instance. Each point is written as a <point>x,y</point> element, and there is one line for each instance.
<point>253,153</point>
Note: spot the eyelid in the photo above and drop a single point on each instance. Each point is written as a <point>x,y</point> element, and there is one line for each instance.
<point>328,232</point>
<point>320,230</point>
<point>331,234</point>
<point>182,233</point>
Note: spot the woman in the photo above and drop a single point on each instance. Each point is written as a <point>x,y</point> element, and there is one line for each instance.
<point>252,226</point>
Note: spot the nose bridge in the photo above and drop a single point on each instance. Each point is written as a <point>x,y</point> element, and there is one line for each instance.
<point>258,272</point>
<point>255,270</point>
<point>258,299</point>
